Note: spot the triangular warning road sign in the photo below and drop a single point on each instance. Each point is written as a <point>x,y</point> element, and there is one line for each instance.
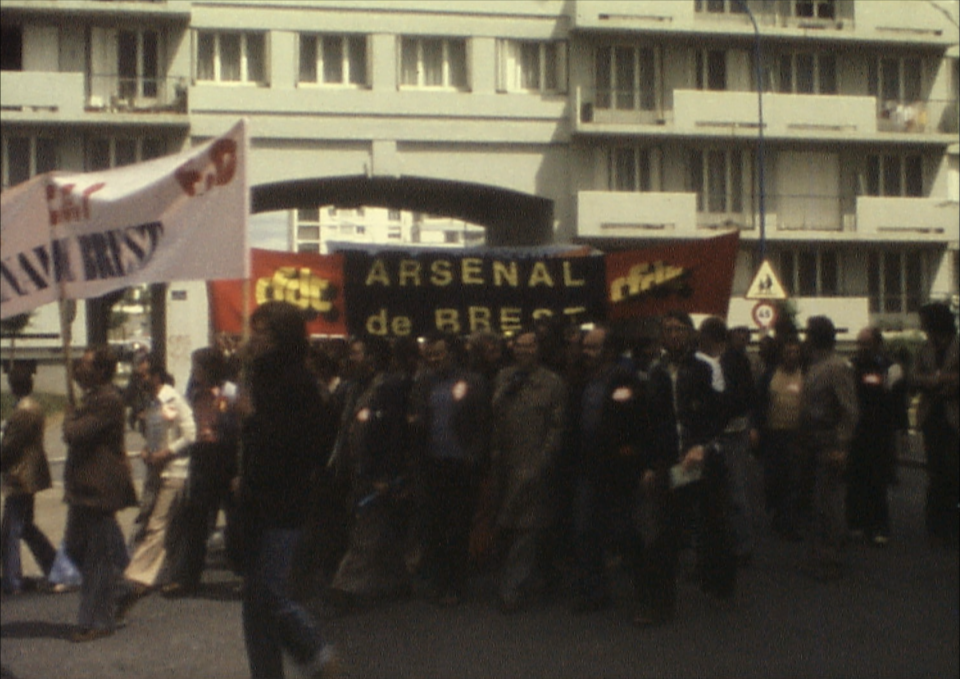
<point>765,284</point>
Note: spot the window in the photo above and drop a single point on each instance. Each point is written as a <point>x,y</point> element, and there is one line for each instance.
<point>630,169</point>
<point>308,214</point>
<point>333,59</point>
<point>231,57</point>
<point>11,48</point>
<point>138,64</point>
<point>894,175</point>
<point>716,176</point>
<point>808,73</point>
<point>810,273</point>
<point>626,77</point>
<point>719,6</point>
<point>711,70</point>
<point>815,9</point>
<point>27,156</point>
<point>896,281</point>
<point>532,66</point>
<point>106,152</point>
<point>895,79</point>
<point>433,62</point>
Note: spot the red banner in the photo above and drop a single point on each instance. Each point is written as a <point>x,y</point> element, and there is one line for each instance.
<point>696,277</point>
<point>311,281</point>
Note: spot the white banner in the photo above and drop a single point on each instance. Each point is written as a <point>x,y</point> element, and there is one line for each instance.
<point>78,235</point>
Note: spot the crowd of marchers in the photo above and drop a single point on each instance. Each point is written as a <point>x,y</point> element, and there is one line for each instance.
<point>380,468</point>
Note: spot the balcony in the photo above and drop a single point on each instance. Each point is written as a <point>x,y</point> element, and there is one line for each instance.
<point>918,117</point>
<point>40,96</point>
<point>610,214</point>
<point>908,219</point>
<point>48,94</point>
<point>785,116</point>
<point>113,93</point>
<point>789,217</point>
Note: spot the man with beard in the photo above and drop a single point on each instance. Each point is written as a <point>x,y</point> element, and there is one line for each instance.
<point>685,476</point>
<point>611,423</point>
<point>375,446</point>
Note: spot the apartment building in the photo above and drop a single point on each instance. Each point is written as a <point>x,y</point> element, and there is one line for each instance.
<point>616,123</point>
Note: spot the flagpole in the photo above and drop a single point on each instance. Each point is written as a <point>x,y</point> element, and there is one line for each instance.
<point>245,303</point>
<point>66,335</point>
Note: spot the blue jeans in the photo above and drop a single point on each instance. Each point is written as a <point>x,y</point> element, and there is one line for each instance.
<point>95,543</point>
<point>272,622</point>
<point>18,525</point>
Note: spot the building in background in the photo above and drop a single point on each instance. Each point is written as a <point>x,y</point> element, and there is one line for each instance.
<point>617,123</point>
<point>329,228</point>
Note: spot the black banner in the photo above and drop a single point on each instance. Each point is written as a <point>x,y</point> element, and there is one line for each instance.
<point>402,293</point>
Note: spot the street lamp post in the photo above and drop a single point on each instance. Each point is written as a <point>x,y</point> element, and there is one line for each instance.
<point>761,164</point>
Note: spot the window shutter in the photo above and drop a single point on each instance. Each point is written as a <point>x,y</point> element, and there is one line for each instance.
<point>562,47</point>
<point>368,63</point>
<point>502,47</point>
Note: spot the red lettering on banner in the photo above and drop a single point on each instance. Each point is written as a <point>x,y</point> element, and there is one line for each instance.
<point>220,170</point>
<point>64,205</point>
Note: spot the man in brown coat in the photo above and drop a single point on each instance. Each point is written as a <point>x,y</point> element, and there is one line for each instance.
<point>528,424</point>
<point>828,418</point>
<point>97,483</point>
<point>26,472</point>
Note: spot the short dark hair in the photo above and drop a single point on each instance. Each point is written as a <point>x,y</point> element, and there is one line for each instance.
<point>821,333</point>
<point>156,365</point>
<point>104,362</point>
<point>20,379</point>
<point>714,329</point>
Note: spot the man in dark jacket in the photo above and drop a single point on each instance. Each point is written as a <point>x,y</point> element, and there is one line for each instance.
<point>375,452</point>
<point>450,416</point>
<point>872,462</point>
<point>97,483</point>
<point>611,422</point>
<point>685,474</point>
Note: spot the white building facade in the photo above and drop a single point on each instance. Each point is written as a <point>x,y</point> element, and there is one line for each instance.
<point>631,122</point>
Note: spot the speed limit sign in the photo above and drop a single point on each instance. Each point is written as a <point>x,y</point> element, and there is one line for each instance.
<point>764,314</point>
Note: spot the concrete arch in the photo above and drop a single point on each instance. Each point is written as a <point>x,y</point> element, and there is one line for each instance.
<point>510,217</point>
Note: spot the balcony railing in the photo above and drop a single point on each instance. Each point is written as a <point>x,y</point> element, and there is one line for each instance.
<point>114,93</point>
<point>934,116</point>
<point>784,114</point>
<point>652,214</point>
<point>618,107</point>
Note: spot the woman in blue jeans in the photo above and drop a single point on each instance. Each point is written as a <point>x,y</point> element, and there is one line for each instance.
<point>282,435</point>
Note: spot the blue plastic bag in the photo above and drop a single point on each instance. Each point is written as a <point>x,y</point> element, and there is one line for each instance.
<point>63,573</point>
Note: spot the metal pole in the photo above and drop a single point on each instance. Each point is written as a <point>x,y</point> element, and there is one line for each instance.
<point>761,160</point>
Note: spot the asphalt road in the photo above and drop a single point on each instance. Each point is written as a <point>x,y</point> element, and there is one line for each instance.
<point>896,615</point>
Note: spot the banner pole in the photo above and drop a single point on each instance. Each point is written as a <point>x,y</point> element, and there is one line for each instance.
<point>245,303</point>
<point>66,334</point>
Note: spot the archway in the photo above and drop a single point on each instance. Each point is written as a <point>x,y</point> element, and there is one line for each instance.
<point>510,217</point>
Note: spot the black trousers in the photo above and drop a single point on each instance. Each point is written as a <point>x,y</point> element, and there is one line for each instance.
<point>705,506</point>
<point>212,466</point>
<point>450,488</point>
